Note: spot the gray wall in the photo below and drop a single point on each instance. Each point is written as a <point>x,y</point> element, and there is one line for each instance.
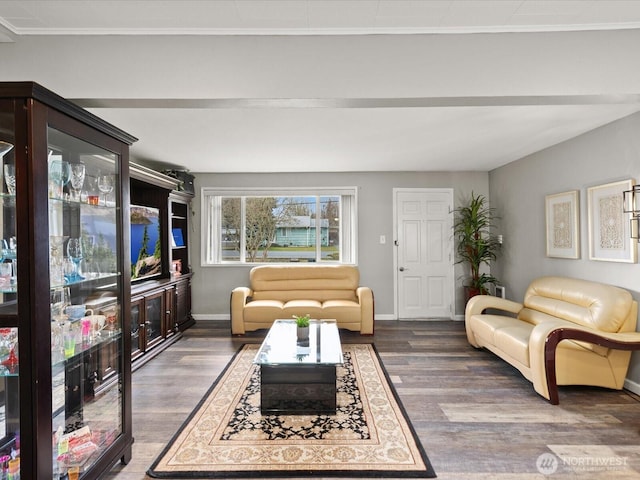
<point>518,190</point>
<point>212,285</point>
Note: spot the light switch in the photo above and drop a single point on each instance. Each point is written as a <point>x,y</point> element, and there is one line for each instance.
<point>383,239</point>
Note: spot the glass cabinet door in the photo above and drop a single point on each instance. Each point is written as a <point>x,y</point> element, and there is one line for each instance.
<point>9,348</point>
<point>85,299</point>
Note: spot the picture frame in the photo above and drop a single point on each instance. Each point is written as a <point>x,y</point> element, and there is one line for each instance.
<point>562,213</point>
<point>609,226</point>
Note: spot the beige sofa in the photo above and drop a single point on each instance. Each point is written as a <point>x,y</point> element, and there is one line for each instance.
<point>566,332</point>
<point>322,291</point>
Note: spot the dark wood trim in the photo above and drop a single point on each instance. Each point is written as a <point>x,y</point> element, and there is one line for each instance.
<point>55,101</point>
<point>556,336</point>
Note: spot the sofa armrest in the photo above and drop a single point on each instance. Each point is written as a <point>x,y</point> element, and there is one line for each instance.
<point>239,298</point>
<point>479,303</point>
<point>365,299</point>
<point>545,338</point>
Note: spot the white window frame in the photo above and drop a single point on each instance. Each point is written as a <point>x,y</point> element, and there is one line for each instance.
<point>211,209</point>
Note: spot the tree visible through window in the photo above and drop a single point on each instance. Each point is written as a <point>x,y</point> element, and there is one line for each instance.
<point>285,228</point>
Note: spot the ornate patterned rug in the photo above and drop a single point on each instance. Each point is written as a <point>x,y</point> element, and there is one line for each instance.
<point>227,437</point>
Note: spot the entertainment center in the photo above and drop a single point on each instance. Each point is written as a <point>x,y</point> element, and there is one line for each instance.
<point>161,298</point>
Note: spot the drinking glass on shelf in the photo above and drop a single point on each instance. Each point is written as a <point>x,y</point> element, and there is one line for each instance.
<point>74,252</point>
<point>58,177</point>
<point>105,185</point>
<point>89,266</point>
<point>68,270</point>
<point>5,147</point>
<point>60,299</point>
<point>77,179</point>
<point>10,178</point>
<point>56,258</point>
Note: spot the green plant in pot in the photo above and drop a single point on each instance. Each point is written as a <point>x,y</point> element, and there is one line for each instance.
<point>475,245</point>
<point>302,326</point>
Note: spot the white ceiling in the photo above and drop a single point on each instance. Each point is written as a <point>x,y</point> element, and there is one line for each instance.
<point>279,111</point>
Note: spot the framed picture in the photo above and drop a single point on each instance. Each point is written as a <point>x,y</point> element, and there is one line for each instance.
<point>609,226</point>
<point>563,232</point>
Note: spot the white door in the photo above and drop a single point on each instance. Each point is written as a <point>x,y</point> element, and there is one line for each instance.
<point>424,253</point>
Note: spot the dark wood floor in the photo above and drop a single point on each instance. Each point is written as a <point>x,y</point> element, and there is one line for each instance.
<point>476,416</point>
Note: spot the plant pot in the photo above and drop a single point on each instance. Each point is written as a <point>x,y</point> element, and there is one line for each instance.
<point>302,333</point>
<point>471,292</point>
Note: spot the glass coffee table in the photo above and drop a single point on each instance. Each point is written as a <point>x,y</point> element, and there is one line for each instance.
<point>299,377</point>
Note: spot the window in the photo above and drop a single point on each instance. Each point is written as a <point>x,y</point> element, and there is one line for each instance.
<point>263,226</point>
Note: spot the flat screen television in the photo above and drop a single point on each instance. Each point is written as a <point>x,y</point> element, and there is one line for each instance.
<point>146,245</point>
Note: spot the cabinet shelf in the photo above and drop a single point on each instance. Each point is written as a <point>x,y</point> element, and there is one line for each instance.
<point>99,277</point>
<point>80,348</point>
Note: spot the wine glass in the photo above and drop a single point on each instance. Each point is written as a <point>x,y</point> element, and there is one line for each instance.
<point>10,178</point>
<point>5,147</point>
<point>58,176</point>
<point>68,270</point>
<point>77,179</point>
<point>105,185</point>
<point>74,252</point>
<point>56,257</point>
<point>90,269</point>
<point>60,299</point>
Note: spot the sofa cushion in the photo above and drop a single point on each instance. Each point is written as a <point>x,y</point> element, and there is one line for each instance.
<point>536,318</point>
<point>514,341</point>
<point>590,304</point>
<point>296,294</point>
<point>486,325</point>
<point>302,307</point>
<point>258,310</point>
<point>319,282</point>
<point>345,309</point>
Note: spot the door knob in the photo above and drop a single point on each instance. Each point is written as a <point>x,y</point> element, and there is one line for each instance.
<point>401,269</point>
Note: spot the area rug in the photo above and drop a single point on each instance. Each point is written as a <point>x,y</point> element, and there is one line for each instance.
<point>227,437</point>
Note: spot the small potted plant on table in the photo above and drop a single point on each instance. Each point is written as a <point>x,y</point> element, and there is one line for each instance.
<point>302,327</point>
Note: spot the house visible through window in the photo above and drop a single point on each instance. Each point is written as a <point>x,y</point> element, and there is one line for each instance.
<point>258,226</point>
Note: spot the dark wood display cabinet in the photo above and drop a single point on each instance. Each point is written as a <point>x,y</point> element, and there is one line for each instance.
<point>65,368</point>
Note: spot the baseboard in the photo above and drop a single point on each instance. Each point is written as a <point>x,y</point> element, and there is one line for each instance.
<point>632,386</point>
<point>198,317</point>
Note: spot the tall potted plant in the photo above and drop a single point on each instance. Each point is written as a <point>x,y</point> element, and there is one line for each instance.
<point>475,245</point>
